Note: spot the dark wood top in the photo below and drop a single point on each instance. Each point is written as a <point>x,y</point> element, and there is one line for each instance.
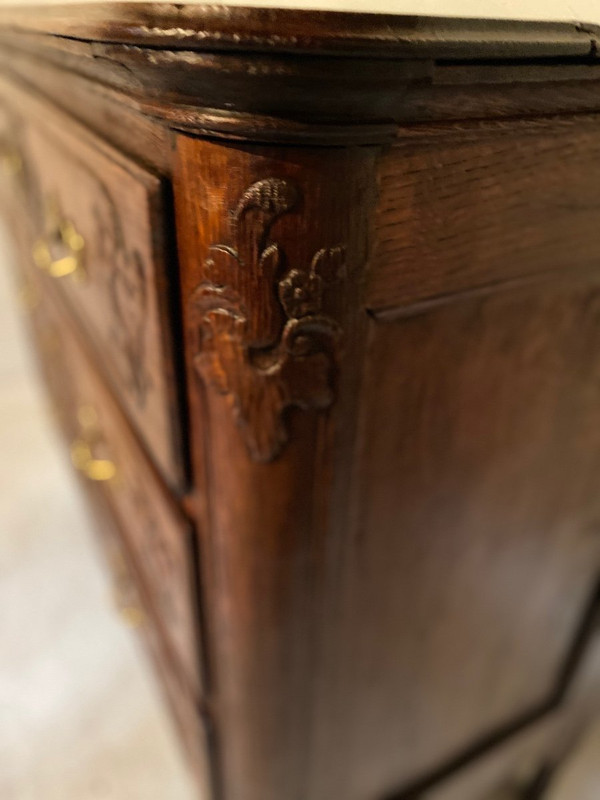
<point>214,27</point>
<point>285,75</point>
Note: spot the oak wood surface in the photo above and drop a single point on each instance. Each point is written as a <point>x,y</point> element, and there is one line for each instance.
<point>264,515</point>
<point>516,765</point>
<point>390,367</point>
<point>469,207</point>
<point>473,548</point>
<point>157,534</point>
<point>47,93</point>
<point>190,720</point>
<point>121,295</point>
<point>188,65</point>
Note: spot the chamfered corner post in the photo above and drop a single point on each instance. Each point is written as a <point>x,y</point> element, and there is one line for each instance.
<point>273,245</point>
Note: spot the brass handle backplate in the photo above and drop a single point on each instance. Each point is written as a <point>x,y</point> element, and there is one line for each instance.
<point>96,469</point>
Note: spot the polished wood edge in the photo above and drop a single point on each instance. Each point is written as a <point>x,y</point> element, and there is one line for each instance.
<point>217,27</point>
<point>267,97</point>
<point>307,210</point>
<point>270,97</point>
<point>264,129</point>
<point>277,75</point>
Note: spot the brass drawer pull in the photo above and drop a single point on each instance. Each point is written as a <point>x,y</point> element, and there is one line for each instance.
<point>64,235</point>
<point>96,469</point>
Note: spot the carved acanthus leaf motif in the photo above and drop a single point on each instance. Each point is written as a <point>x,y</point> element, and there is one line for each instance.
<point>263,340</point>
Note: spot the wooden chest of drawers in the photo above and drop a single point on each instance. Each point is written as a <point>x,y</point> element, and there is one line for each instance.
<point>316,300</point>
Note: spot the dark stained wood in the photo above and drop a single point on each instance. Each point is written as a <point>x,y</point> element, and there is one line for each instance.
<point>491,99</point>
<point>389,343</point>
<point>121,291</point>
<point>473,548</point>
<point>214,27</point>
<point>514,766</point>
<point>264,526</point>
<point>157,534</point>
<point>277,87</point>
<point>189,65</point>
<point>150,580</point>
<point>136,606</point>
<point>466,208</point>
<point>41,92</point>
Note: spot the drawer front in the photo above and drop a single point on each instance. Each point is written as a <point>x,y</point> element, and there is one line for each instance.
<point>106,453</point>
<point>134,607</point>
<point>98,229</point>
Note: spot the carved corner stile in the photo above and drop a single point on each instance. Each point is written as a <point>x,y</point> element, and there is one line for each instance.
<point>263,338</point>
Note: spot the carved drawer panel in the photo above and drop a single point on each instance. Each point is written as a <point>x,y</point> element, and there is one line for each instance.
<point>106,453</point>
<point>135,608</point>
<point>97,233</point>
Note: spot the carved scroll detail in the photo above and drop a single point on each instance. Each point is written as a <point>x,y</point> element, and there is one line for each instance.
<point>262,337</point>
<point>128,293</point>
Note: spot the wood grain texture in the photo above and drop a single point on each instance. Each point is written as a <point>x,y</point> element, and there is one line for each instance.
<point>264,523</point>
<point>538,749</point>
<point>44,93</point>
<point>390,368</point>
<point>474,546</point>
<point>121,297</point>
<point>156,533</point>
<point>189,65</point>
<point>262,339</point>
<point>192,725</point>
<point>444,92</point>
<point>468,207</point>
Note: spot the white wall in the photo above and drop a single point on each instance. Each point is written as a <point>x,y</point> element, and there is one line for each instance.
<point>579,10</point>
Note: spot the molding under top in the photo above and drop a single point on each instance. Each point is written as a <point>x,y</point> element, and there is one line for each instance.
<point>270,74</point>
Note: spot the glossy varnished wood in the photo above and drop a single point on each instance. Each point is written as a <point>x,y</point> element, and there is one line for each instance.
<point>465,208</point>
<point>121,294</point>
<point>380,353</point>
<point>136,604</point>
<point>158,536</point>
<point>473,547</point>
<point>189,65</point>
<point>528,759</point>
<point>265,513</point>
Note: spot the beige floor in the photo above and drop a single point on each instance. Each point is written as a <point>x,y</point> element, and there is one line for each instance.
<point>80,716</point>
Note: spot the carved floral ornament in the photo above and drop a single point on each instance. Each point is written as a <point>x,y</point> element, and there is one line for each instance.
<point>262,338</point>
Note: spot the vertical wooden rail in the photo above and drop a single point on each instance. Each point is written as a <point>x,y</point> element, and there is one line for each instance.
<point>273,247</point>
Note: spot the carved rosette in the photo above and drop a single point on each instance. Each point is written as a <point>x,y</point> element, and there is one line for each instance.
<point>262,337</point>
